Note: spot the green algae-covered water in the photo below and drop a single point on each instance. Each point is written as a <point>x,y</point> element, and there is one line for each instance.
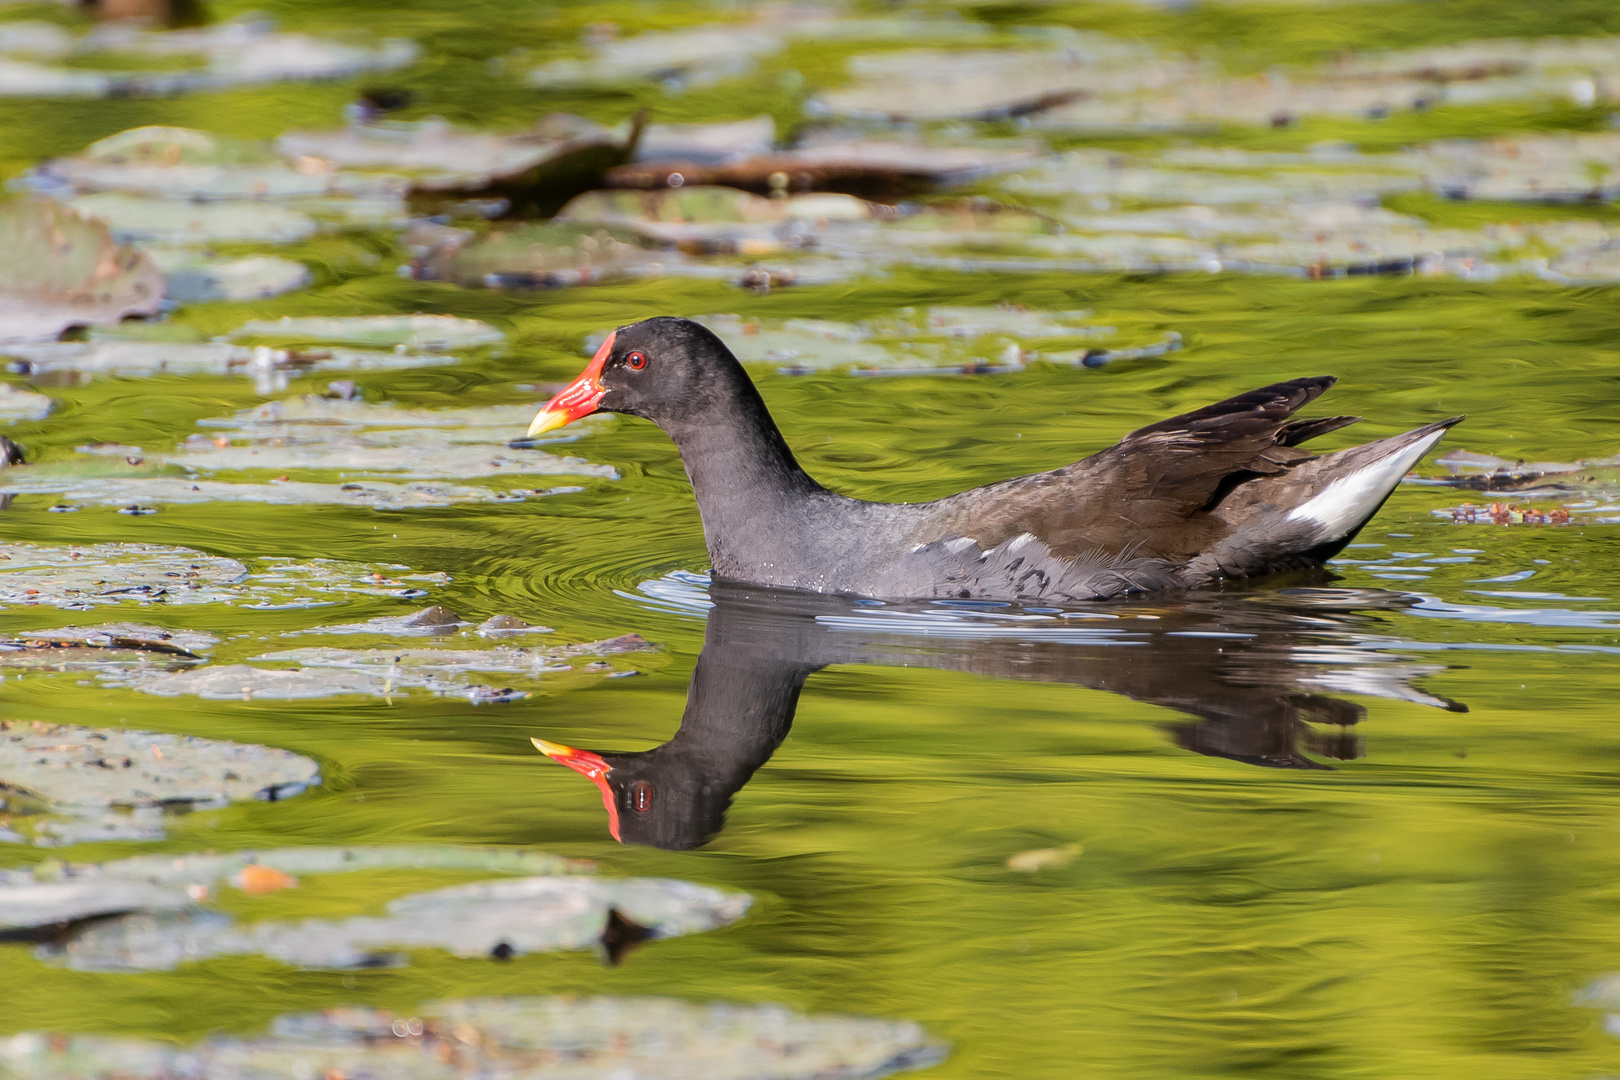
<point>1058,862</point>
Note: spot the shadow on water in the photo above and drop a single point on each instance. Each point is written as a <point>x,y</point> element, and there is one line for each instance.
<point>1250,669</point>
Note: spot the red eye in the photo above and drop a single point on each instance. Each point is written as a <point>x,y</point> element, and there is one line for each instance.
<point>636,361</point>
<point>641,791</point>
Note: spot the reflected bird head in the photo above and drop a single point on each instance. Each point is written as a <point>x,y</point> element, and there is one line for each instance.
<point>660,797</point>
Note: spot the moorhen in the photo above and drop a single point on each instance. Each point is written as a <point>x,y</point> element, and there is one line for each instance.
<point>1221,492</point>
<point>1247,669</point>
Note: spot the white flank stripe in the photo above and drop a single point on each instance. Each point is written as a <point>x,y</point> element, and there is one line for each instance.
<point>1349,500</point>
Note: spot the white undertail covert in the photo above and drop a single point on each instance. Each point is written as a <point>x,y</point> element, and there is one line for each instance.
<point>1350,500</point>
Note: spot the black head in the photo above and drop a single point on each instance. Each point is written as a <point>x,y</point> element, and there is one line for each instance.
<point>667,370</point>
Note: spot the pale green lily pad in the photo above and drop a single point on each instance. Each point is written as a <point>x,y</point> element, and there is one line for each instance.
<point>54,893</point>
<point>241,52</point>
<point>985,339</point>
<point>138,218</point>
<point>525,915</point>
<point>82,577</point>
<point>62,271</point>
<point>22,404</point>
<point>67,780</point>
<point>189,277</point>
<point>434,332</point>
<point>974,85</point>
<point>517,1038</point>
<point>176,162</point>
<point>363,440</point>
<point>268,367</point>
<point>541,255</point>
<point>324,672</point>
<point>375,495</point>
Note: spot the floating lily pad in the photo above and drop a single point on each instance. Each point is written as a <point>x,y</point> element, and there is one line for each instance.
<point>542,255</point>
<point>376,495</point>
<point>80,774</point>
<point>707,144</point>
<point>503,917</point>
<point>34,37</point>
<point>981,339</point>
<point>361,441</point>
<point>423,454</point>
<point>1540,168</point>
<point>267,366</point>
<point>80,577</point>
<point>177,163</point>
<point>180,221</point>
<point>520,1038</point>
<point>189,277</point>
<point>330,672</point>
<point>969,85</point>
<point>57,893</point>
<point>703,55</point>
<point>22,404</point>
<point>62,271</point>
<point>244,52</point>
<point>377,331</point>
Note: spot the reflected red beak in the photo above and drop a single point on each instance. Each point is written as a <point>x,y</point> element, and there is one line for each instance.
<point>587,765</point>
<point>577,399</point>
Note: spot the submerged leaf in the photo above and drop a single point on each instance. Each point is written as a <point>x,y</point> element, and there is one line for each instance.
<point>62,270</point>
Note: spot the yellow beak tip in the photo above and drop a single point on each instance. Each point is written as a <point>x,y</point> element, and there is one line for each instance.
<point>545,421</point>
<point>550,749</point>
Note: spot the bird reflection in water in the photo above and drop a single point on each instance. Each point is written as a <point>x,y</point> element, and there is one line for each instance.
<point>1249,668</point>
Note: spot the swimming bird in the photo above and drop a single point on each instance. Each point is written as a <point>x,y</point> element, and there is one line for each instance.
<point>1219,493</point>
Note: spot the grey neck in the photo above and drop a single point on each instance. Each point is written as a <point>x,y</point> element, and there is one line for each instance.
<point>760,510</point>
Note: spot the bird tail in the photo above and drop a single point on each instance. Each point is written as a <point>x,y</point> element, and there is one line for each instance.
<point>1348,487</point>
<point>1306,515</point>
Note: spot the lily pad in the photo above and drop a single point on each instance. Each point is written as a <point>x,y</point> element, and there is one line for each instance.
<point>707,144</point>
<point>63,271</point>
<point>80,774</point>
<point>979,339</point>
<point>330,672</point>
<point>262,363</point>
<point>184,163</point>
<point>363,440</point>
<point>190,278</point>
<point>521,1038</point>
<point>376,495</point>
<point>82,577</point>
<point>243,52</point>
<point>435,332</point>
<point>139,218</point>
<point>970,85</point>
<point>542,255</point>
<point>505,917</point>
<point>22,404</point>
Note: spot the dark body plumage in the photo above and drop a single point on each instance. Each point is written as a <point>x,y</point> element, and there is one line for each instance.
<point>1221,492</point>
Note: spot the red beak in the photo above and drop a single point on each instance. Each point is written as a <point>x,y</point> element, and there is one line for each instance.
<point>577,399</point>
<point>587,765</point>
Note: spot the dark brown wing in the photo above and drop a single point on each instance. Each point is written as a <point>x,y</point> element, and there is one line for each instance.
<point>1145,494</point>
